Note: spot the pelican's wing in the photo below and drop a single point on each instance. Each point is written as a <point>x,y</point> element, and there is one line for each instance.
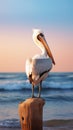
<point>28,67</point>
<point>40,66</point>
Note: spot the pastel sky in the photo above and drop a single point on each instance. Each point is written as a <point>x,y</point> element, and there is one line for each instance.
<point>19,17</point>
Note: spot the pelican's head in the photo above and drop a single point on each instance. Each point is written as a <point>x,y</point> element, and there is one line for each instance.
<point>36,32</point>
<point>39,39</point>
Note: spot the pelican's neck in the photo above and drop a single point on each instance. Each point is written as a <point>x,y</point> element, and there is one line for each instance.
<point>43,50</point>
<point>44,53</point>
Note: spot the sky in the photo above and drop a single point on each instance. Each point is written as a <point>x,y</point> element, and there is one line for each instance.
<point>19,17</point>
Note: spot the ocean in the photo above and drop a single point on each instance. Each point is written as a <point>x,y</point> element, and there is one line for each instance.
<point>57,90</point>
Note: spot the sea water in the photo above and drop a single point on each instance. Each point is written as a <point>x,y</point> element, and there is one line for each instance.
<point>57,90</point>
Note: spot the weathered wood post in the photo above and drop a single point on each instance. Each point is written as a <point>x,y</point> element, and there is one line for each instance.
<point>31,114</point>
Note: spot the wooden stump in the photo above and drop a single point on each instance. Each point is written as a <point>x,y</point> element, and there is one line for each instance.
<point>31,114</point>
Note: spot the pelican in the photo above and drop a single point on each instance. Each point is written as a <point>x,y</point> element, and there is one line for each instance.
<point>38,67</point>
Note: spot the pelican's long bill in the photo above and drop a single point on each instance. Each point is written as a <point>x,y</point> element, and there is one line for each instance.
<point>42,39</point>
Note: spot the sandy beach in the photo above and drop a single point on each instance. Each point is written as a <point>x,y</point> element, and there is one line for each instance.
<point>58,125</point>
<point>51,125</point>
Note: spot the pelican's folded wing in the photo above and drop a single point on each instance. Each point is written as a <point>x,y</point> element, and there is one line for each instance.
<point>40,66</point>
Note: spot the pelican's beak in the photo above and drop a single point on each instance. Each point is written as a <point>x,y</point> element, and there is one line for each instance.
<point>42,39</point>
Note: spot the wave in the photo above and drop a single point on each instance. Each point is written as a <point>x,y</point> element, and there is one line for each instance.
<point>59,98</point>
<point>17,85</point>
<point>15,123</point>
<point>26,85</point>
<point>19,81</point>
<point>58,85</point>
<point>13,76</point>
<point>10,123</point>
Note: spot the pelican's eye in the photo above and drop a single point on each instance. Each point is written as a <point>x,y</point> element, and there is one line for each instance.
<point>40,35</point>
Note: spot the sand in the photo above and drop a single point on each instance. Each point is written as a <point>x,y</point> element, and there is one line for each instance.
<point>58,125</point>
<point>52,125</point>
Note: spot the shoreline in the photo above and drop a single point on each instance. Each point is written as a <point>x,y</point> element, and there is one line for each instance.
<point>58,122</point>
<point>50,125</point>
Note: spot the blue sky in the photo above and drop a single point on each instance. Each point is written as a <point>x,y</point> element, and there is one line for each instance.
<point>35,12</point>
